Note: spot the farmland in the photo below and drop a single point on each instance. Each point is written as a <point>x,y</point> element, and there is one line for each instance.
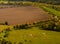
<point>29,24</point>
<point>22,15</point>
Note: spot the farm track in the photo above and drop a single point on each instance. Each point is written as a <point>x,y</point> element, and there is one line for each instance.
<point>22,15</point>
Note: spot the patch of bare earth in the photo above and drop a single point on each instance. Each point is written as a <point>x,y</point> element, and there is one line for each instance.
<point>22,15</point>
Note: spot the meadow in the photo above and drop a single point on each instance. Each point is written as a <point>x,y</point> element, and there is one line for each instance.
<point>32,36</point>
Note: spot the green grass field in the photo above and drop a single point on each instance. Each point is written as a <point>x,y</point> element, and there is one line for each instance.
<point>53,11</point>
<point>33,36</point>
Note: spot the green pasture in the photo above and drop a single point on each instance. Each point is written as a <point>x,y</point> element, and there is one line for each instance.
<point>52,11</point>
<point>32,36</point>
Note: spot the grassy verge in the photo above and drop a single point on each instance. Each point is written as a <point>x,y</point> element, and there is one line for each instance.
<point>52,11</point>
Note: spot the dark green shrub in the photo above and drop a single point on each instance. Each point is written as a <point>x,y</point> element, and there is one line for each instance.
<point>8,29</point>
<point>8,42</point>
<point>34,23</point>
<point>25,26</point>
<point>14,27</point>
<point>5,42</point>
<point>20,43</point>
<point>6,34</point>
<point>25,40</point>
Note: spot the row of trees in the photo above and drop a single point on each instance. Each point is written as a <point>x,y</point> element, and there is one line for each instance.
<point>24,26</point>
<point>5,23</point>
<point>42,1</point>
<point>53,24</point>
<point>17,4</point>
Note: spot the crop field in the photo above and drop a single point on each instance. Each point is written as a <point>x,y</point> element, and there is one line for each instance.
<point>22,15</point>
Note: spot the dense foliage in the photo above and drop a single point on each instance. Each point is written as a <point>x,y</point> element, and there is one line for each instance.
<point>53,24</point>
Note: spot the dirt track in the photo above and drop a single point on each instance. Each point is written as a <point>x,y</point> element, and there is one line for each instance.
<point>21,15</point>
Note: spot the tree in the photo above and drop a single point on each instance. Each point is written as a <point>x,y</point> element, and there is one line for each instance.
<point>16,27</point>
<point>6,23</point>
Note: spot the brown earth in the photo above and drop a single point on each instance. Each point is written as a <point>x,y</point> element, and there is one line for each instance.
<point>22,15</point>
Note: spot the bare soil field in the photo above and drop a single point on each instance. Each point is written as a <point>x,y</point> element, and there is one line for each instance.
<point>22,15</point>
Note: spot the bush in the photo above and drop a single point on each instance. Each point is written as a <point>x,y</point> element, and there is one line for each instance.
<point>20,43</point>
<point>5,42</point>
<point>8,29</point>
<point>25,26</point>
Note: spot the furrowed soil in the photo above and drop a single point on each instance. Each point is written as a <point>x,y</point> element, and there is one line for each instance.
<point>22,15</point>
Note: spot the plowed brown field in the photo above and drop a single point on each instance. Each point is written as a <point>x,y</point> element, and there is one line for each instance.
<point>21,15</point>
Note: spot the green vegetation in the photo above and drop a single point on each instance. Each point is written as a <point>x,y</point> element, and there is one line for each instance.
<point>52,11</point>
<point>5,42</point>
<point>25,26</point>
<point>56,7</point>
<point>42,1</point>
<point>32,36</point>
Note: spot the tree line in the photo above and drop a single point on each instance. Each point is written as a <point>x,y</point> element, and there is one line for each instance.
<point>40,1</point>
<point>52,25</point>
<point>5,23</point>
